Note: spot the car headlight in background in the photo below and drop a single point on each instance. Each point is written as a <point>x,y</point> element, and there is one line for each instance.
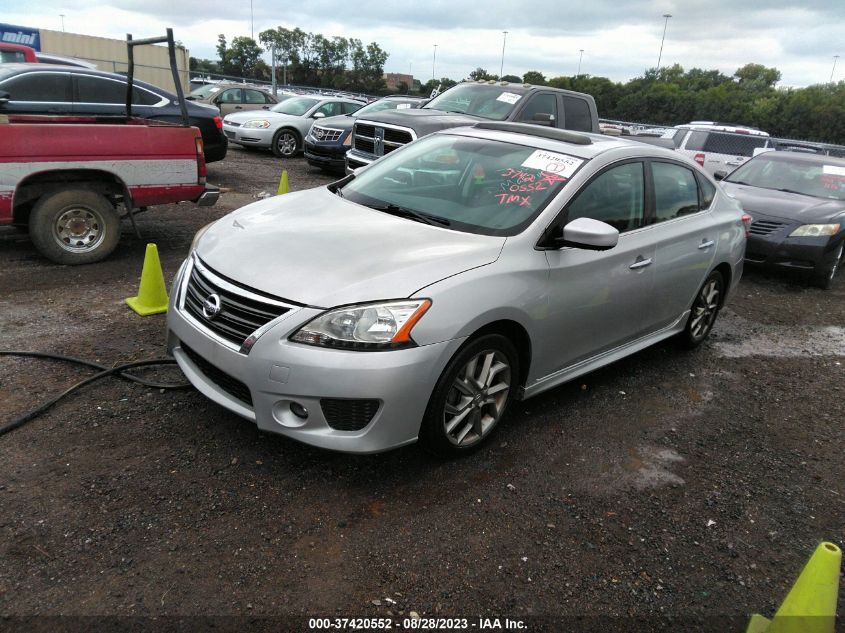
<point>372,326</point>
<point>815,230</point>
<point>259,123</point>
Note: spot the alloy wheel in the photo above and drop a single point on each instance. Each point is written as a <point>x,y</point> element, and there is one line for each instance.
<point>705,309</point>
<point>286,144</point>
<point>477,398</point>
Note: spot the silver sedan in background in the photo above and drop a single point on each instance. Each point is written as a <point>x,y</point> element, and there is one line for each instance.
<point>283,127</point>
<point>416,298</point>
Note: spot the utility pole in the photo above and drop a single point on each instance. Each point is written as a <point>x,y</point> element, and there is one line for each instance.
<point>273,65</point>
<point>580,57</point>
<point>666,17</point>
<point>504,40</point>
<point>433,62</point>
<point>62,16</point>
<point>835,57</point>
<point>251,22</point>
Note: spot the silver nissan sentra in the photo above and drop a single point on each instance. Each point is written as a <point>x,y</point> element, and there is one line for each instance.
<point>415,299</point>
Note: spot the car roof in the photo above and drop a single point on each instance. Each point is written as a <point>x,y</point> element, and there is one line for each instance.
<point>803,157</point>
<point>10,70</point>
<point>584,145</point>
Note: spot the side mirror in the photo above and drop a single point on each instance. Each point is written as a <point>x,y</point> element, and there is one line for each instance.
<point>588,234</point>
<point>541,118</point>
<point>720,175</point>
<point>318,115</point>
<point>4,97</point>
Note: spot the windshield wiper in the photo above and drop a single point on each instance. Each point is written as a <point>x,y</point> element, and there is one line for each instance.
<point>405,212</point>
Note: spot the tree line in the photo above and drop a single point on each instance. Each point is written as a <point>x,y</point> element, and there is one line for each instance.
<point>307,59</point>
<point>671,95</point>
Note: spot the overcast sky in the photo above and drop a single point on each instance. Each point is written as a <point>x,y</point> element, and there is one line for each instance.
<point>620,38</point>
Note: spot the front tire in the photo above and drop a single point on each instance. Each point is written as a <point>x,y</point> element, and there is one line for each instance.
<point>74,227</point>
<point>286,143</point>
<point>705,309</point>
<point>823,278</point>
<point>471,396</point>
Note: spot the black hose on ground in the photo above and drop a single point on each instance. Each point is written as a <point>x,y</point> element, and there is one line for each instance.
<point>120,371</point>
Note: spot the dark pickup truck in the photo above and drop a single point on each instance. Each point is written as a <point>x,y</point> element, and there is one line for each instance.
<point>466,104</point>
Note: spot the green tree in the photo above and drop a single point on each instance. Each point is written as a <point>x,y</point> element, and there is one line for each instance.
<point>481,74</point>
<point>757,76</point>
<point>534,77</point>
<point>512,79</point>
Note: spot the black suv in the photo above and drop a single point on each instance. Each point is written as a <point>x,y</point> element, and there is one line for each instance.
<point>329,139</point>
<point>467,104</point>
<point>53,89</point>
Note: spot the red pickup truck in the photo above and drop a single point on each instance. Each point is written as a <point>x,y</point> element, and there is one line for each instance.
<point>66,177</point>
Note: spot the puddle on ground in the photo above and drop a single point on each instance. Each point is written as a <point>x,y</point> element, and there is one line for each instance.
<point>738,338</point>
<point>649,468</point>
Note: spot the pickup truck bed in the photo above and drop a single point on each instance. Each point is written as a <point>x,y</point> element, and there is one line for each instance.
<point>63,177</point>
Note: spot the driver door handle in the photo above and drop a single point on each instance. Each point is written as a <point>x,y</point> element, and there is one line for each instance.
<point>640,263</point>
<point>705,244</point>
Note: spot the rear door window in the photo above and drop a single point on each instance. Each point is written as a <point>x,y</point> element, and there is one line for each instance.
<point>733,144</point>
<point>576,114</point>
<point>43,87</point>
<point>675,191</point>
<point>102,90</point>
<point>254,96</point>
<point>231,96</point>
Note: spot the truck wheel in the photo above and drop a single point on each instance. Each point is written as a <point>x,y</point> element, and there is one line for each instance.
<point>74,227</point>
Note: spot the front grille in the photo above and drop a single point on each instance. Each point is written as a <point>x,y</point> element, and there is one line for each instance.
<point>348,415</point>
<point>365,138</point>
<point>239,316</point>
<point>765,227</point>
<point>399,137</point>
<point>227,383</point>
<point>365,130</point>
<point>366,145</point>
<point>325,133</point>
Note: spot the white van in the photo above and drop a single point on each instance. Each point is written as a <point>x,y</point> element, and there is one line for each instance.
<point>716,147</point>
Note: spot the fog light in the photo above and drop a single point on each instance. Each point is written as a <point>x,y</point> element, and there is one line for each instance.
<point>298,410</point>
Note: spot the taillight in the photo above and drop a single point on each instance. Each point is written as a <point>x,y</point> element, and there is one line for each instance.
<point>699,158</point>
<point>746,222</point>
<point>200,160</point>
<point>218,122</point>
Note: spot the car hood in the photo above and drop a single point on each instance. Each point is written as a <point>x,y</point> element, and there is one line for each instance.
<point>342,122</point>
<point>422,119</point>
<point>784,205</point>
<point>273,117</point>
<point>315,248</point>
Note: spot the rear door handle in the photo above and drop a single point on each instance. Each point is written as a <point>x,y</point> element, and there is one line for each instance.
<point>238,108</point>
<point>640,263</point>
<point>705,244</point>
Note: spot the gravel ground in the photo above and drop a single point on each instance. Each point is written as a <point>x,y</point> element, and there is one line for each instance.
<point>673,483</point>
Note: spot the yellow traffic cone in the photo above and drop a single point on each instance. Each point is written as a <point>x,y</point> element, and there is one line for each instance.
<point>283,182</point>
<point>152,294</point>
<point>810,606</point>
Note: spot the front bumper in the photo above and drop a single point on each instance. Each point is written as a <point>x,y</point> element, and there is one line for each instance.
<point>778,250</point>
<point>325,155</point>
<point>277,373</point>
<point>356,159</point>
<point>252,136</point>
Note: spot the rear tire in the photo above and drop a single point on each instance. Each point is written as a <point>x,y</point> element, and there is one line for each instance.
<point>74,227</point>
<point>823,278</point>
<point>471,396</point>
<point>705,309</point>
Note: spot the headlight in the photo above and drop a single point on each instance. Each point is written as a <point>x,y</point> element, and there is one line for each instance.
<point>199,234</point>
<point>815,230</point>
<point>373,326</point>
<point>262,123</point>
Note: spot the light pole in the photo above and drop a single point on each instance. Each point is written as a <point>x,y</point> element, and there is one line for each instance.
<point>665,24</point>
<point>504,40</point>
<point>433,62</point>
<point>581,50</point>
<point>835,57</point>
<point>251,22</point>
<point>62,16</point>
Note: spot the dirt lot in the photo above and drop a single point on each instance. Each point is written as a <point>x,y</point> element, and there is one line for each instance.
<point>672,483</point>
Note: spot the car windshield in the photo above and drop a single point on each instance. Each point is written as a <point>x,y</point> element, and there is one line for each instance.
<point>295,106</point>
<point>817,179</point>
<point>384,104</point>
<point>470,184</point>
<point>485,101</point>
<point>203,91</point>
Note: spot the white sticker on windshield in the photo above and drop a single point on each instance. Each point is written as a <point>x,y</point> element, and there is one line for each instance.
<point>552,162</point>
<point>833,170</point>
<point>509,97</point>
<point>403,106</point>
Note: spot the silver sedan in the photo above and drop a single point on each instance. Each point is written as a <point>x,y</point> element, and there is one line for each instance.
<point>416,299</point>
<point>283,127</point>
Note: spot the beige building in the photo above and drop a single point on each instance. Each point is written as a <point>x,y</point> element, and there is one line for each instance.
<point>152,63</point>
<point>392,80</point>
